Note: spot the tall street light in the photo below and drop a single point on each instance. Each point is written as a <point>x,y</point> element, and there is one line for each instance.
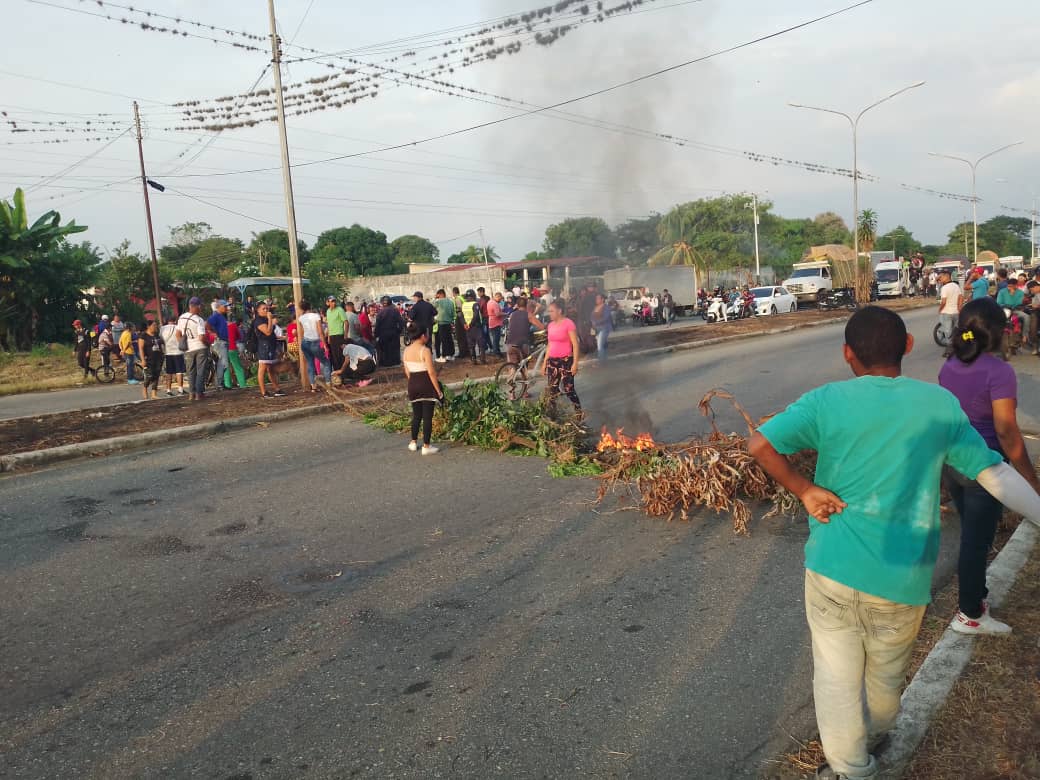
<point>974,200</point>
<point>854,123</point>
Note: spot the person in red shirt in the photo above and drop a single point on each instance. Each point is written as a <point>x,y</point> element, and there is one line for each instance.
<point>234,336</point>
<point>495,318</point>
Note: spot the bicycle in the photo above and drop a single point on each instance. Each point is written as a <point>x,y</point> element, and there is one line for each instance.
<point>515,379</point>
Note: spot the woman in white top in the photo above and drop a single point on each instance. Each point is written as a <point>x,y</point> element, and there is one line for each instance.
<point>424,391</point>
<point>312,342</point>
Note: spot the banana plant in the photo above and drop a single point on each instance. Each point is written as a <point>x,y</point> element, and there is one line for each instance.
<point>19,239</point>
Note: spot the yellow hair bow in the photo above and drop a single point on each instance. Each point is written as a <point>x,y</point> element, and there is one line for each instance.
<point>968,335</point>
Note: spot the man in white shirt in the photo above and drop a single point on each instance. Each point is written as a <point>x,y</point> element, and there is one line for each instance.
<point>174,357</point>
<point>192,329</point>
<point>312,343</point>
<point>358,363</point>
<point>950,299</point>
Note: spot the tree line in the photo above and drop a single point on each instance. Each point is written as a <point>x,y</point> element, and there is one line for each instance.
<point>44,275</point>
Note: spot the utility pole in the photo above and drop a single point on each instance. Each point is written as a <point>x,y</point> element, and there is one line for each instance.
<point>148,219</point>
<point>290,209</point>
<point>487,267</point>
<point>758,265</point>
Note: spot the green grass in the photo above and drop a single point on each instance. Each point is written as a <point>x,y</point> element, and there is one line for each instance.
<point>42,368</point>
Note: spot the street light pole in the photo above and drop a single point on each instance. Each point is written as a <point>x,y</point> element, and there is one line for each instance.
<point>148,219</point>
<point>974,199</point>
<point>854,124</point>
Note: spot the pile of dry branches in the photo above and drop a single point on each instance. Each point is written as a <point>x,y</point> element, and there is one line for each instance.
<point>715,472</point>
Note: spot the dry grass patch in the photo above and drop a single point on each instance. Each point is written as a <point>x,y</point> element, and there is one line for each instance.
<point>45,368</point>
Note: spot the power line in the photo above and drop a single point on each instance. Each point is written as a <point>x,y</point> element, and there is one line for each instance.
<point>80,162</point>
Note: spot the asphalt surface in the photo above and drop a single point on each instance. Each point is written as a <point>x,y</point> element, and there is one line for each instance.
<point>312,600</point>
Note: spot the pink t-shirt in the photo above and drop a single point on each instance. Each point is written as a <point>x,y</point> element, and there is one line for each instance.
<point>560,337</point>
<point>494,314</point>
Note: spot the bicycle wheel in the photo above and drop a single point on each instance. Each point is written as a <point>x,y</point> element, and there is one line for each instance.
<point>105,374</point>
<point>510,378</point>
<point>138,372</point>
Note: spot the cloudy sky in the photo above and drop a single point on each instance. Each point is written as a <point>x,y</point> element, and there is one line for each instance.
<point>979,61</point>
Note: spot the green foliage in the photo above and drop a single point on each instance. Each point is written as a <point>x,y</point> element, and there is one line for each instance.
<point>474,254</point>
<point>1001,234</point>
<point>20,241</point>
<point>868,222</point>
<point>536,255</point>
<point>637,239</point>
<point>268,254</point>
<point>351,251</point>
<point>718,230</point>
<point>413,249</point>
<point>900,240</point>
<point>580,237</point>
<point>125,279</point>
<point>184,240</point>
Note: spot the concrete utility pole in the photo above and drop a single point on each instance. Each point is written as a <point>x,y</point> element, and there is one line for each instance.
<point>290,208</point>
<point>974,200</point>
<point>487,266</point>
<point>758,264</point>
<point>148,218</point>
<point>854,124</point>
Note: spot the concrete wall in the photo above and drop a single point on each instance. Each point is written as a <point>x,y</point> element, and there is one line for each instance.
<point>371,288</point>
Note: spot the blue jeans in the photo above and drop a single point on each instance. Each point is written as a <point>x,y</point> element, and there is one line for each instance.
<point>947,321</point>
<point>601,344</point>
<point>496,340</point>
<point>312,351</point>
<point>979,513</point>
<point>131,361</point>
<point>220,347</point>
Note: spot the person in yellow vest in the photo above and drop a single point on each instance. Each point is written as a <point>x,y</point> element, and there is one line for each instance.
<point>473,323</point>
<point>460,323</point>
<point>128,349</point>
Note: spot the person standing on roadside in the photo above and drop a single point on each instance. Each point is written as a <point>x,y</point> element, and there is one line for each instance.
<point>388,328</point>
<point>950,299</point>
<point>424,391</point>
<point>873,532</point>
<point>128,350</point>
<point>266,326</point>
<point>82,346</point>
<point>987,390</point>
<point>191,332</point>
<point>234,335</point>
<point>495,318</point>
<point>312,343</point>
<point>473,325</point>
<point>482,301</point>
<point>105,346</point>
<point>561,364</point>
<point>442,326</point>
<point>423,314</point>
<point>667,307</point>
<point>461,339</point>
<point>336,320</point>
<point>218,326</point>
<point>118,329</point>
<point>354,331</point>
<point>149,346</point>
<point>602,324</point>
<point>174,357</point>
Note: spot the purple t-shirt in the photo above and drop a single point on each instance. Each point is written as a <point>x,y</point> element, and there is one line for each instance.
<point>977,385</point>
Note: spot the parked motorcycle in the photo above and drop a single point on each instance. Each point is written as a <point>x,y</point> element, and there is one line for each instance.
<point>716,310</point>
<point>842,298</point>
<point>643,315</point>
<point>1012,340</point>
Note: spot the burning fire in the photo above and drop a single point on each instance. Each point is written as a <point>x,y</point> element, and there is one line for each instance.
<point>644,442</point>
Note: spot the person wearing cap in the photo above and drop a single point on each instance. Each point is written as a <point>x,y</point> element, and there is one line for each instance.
<point>82,348</point>
<point>950,299</point>
<point>978,283</point>
<point>335,321</point>
<point>218,325</point>
<point>474,327</point>
<point>102,324</point>
<point>445,321</point>
<point>191,335</point>
<point>423,314</point>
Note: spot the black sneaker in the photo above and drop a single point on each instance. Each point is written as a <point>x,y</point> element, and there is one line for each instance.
<point>278,393</point>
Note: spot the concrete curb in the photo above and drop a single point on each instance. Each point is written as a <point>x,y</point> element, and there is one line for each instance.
<point>935,679</point>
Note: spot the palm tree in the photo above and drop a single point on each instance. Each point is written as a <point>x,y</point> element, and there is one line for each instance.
<point>673,230</point>
<point>867,223</point>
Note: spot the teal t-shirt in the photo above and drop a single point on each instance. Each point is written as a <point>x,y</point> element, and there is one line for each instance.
<point>979,288</point>
<point>1010,299</point>
<point>445,310</point>
<point>882,443</point>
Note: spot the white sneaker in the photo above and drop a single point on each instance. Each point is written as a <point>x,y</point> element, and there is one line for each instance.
<point>985,624</point>
<point>429,449</point>
<point>412,446</point>
<point>441,360</point>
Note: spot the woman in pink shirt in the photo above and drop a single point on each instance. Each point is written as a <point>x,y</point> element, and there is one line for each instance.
<point>561,365</point>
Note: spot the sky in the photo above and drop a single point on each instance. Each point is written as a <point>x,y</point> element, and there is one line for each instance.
<point>979,62</point>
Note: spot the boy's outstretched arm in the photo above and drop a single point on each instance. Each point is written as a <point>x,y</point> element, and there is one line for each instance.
<point>1011,489</point>
<point>818,502</point>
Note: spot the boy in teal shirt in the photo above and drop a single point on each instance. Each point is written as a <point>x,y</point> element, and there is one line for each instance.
<point>882,440</point>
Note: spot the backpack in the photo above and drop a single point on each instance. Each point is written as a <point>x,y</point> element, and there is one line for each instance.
<point>252,341</point>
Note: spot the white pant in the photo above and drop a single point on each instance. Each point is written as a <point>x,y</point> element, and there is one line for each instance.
<point>861,650</point>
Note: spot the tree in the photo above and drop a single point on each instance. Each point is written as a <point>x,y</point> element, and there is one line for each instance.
<point>868,222</point>
<point>212,264</point>
<point>536,255</point>
<point>637,239</point>
<point>184,240</point>
<point>125,281</point>
<point>413,249</point>
<point>719,230</point>
<point>35,285</point>
<point>268,254</point>
<point>829,228</point>
<point>474,254</point>
<point>900,240</point>
<point>580,237</point>
<point>353,251</point>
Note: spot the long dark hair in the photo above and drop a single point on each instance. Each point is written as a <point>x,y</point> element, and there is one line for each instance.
<point>979,329</point>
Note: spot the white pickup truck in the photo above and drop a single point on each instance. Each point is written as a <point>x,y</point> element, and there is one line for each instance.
<point>809,279</point>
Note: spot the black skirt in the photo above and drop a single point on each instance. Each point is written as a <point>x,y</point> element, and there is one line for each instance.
<point>420,387</point>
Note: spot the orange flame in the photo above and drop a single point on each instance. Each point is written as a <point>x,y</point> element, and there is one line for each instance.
<point>643,442</point>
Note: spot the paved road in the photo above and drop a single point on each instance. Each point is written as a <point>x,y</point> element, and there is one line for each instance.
<point>314,601</point>
<point>90,396</point>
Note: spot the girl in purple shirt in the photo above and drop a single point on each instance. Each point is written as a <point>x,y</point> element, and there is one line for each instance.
<point>987,390</point>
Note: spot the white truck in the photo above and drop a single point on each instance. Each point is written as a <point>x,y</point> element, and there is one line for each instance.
<point>893,281</point>
<point>680,280</point>
<point>809,279</point>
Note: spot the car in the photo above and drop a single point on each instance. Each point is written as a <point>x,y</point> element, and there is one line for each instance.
<point>773,300</point>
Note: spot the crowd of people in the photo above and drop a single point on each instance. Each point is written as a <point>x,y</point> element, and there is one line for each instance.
<point>1017,294</point>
